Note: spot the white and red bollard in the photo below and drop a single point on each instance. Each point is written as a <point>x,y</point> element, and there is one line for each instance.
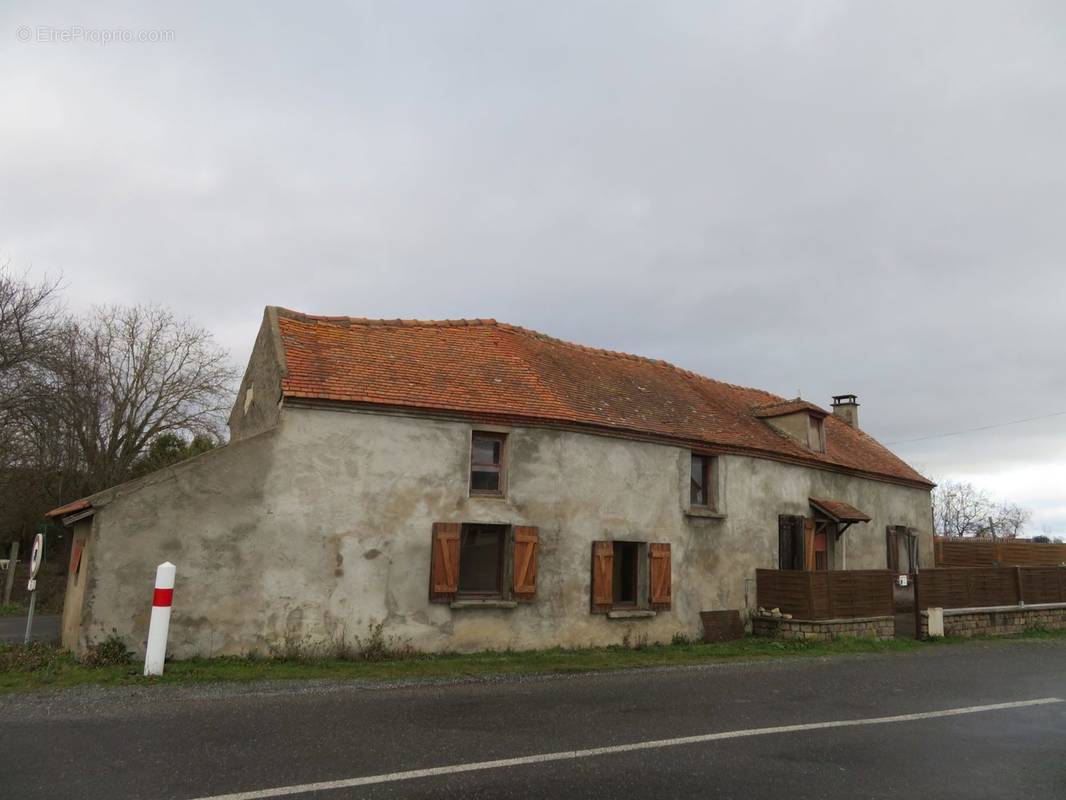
<point>159,626</point>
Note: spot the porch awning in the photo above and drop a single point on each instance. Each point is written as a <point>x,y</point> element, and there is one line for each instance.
<point>838,510</point>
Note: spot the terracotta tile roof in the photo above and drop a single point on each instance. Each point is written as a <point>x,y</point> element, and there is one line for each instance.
<point>784,407</point>
<point>489,370</point>
<point>839,510</point>
<point>69,508</point>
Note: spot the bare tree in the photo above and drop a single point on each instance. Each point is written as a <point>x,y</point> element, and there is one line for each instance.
<point>1009,520</point>
<point>125,375</point>
<point>29,323</point>
<point>961,509</point>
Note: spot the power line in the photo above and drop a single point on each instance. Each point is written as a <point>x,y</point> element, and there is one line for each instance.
<point>982,428</point>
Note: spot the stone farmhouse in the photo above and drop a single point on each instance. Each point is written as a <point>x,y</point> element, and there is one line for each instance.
<point>475,485</point>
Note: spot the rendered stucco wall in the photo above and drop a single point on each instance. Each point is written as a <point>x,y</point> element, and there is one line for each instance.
<point>319,528</point>
<point>258,411</point>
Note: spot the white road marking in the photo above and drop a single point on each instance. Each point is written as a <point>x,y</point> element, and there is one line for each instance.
<point>569,755</point>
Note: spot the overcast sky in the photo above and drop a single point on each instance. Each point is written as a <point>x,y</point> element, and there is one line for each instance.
<point>817,197</point>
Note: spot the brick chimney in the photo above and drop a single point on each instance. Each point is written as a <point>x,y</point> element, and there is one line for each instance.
<point>846,407</point>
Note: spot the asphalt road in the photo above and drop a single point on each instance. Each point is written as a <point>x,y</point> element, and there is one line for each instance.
<point>45,628</point>
<point>194,742</point>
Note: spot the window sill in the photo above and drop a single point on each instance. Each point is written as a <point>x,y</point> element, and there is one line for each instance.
<point>633,613</point>
<point>703,513</point>
<point>460,604</point>
<point>489,495</point>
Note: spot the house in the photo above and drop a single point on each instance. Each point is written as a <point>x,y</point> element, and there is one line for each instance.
<point>474,485</point>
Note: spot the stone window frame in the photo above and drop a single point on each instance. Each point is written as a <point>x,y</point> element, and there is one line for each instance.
<point>716,479</point>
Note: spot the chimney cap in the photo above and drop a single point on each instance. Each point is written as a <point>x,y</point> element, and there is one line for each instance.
<point>845,400</point>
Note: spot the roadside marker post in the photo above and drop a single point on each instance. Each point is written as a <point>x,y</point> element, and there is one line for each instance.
<point>36,557</point>
<point>159,625</point>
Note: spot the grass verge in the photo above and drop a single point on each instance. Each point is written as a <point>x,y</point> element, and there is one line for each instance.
<point>35,667</point>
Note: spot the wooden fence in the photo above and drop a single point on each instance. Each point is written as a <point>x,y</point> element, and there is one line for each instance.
<point>960,587</point>
<point>826,594</point>
<point>955,552</point>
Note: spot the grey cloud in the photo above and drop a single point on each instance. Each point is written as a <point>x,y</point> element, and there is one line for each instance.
<point>822,196</point>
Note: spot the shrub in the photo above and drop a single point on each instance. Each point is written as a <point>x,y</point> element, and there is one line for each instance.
<point>112,651</point>
<point>32,657</point>
<point>680,639</point>
<point>377,647</point>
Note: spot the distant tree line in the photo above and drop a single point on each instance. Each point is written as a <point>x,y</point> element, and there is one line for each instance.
<point>89,401</point>
<point>961,509</point>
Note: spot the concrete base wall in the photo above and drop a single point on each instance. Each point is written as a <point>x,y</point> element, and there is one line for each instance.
<point>1000,620</point>
<point>823,630</point>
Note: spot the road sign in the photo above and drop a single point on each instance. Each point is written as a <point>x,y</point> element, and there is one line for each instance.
<point>36,554</point>
<point>36,557</point>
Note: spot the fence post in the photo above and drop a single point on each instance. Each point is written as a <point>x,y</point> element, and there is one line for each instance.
<point>917,610</point>
<point>9,579</point>
<point>829,593</point>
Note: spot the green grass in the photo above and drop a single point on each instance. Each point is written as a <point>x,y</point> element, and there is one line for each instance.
<point>12,609</point>
<point>39,667</point>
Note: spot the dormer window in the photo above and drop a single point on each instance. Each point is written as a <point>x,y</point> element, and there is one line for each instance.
<point>816,434</point>
<point>797,419</point>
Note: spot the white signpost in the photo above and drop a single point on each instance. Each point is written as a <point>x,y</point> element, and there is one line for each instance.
<point>36,557</point>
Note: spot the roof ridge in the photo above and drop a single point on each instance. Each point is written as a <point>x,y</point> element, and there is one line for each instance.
<point>519,329</point>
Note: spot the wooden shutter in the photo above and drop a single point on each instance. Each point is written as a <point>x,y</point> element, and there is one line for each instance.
<point>659,578</point>
<point>791,553</point>
<point>602,576</point>
<point>808,543</point>
<point>444,562</point>
<point>893,548</point>
<point>526,540</point>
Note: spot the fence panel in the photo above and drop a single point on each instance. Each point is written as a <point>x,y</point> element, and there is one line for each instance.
<point>959,587</point>
<point>826,594</point>
<point>1042,584</point>
<point>789,590</point>
<point>861,593</point>
<point>952,552</point>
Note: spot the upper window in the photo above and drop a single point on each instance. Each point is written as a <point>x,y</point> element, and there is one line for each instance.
<point>816,434</point>
<point>487,469</point>
<point>701,482</point>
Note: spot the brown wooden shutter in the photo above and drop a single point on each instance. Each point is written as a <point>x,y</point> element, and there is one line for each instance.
<point>660,579</point>
<point>893,548</point>
<point>784,542</point>
<point>808,543</point>
<point>444,562</point>
<point>526,540</point>
<point>602,576</point>
<point>791,552</point>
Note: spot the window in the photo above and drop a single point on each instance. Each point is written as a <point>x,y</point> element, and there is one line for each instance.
<point>483,562</point>
<point>481,559</point>
<point>630,576</point>
<point>487,474</point>
<point>816,434</point>
<point>902,549</point>
<point>625,574</point>
<point>701,482</point>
